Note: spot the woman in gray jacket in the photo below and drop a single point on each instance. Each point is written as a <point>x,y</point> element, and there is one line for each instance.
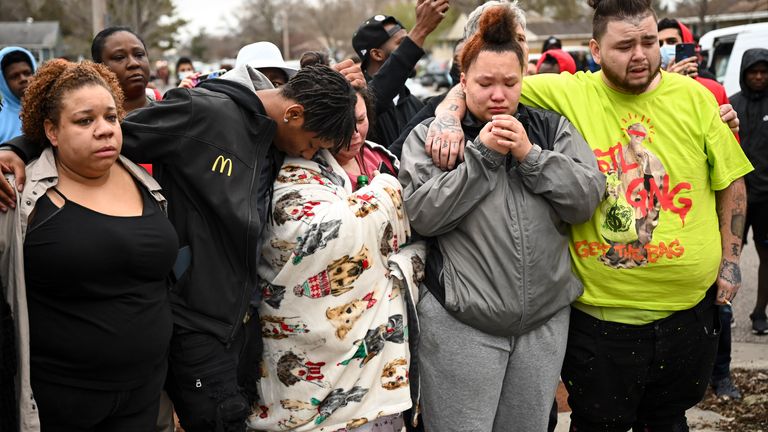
<point>494,317</point>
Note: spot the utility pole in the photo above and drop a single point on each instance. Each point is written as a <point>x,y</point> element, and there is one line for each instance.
<point>286,38</point>
<point>99,15</point>
<point>136,17</point>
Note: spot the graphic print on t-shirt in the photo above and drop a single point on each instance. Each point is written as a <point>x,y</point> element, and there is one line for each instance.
<point>637,190</point>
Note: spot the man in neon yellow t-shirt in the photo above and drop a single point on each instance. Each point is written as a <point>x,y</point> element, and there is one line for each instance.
<point>664,246</point>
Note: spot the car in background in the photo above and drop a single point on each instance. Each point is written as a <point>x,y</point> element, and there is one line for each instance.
<point>581,56</point>
<point>437,75</point>
<point>723,48</point>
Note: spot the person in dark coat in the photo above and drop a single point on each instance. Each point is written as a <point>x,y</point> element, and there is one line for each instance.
<point>751,103</point>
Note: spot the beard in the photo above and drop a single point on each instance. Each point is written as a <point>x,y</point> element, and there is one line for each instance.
<point>624,84</point>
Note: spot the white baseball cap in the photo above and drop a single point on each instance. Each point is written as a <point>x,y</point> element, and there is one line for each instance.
<point>263,55</point>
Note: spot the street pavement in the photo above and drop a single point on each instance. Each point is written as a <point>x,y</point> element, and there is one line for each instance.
<point>748,352</point>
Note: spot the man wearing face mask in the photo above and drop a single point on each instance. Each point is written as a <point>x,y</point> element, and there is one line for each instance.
<point>184,68</point>
<point>673,32</point>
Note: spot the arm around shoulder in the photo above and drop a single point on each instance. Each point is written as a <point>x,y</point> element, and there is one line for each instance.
<point>567,176</point>
<point>153,134</point>
<point>437,200</point>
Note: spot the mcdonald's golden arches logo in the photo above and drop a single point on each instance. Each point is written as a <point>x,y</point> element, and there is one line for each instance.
<point>222,164</point>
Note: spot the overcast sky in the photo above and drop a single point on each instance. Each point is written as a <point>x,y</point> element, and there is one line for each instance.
<point>214,15</point>
<point>211,15</point>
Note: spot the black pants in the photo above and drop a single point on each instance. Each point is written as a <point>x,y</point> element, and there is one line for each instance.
<point>212,385</point>
<point>722,367</point>
<point>65,408</point>
<point>644,377</point>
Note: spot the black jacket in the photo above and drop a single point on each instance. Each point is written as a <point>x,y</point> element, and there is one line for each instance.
<point>213,145</point>
<point>388,83</point>
<point>752,108</point>
<point>425,113</point>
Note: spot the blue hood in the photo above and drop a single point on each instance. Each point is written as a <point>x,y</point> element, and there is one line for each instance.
<point>10,125</point>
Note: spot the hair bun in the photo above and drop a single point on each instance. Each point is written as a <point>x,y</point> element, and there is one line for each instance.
<point>497,25</point>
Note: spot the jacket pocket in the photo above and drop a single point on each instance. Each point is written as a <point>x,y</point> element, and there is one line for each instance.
<point>448,281</point>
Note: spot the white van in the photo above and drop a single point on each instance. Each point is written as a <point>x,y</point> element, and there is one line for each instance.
<point>724,47</point>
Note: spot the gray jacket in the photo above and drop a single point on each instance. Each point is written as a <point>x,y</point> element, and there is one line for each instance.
<point>41,176</point>
<point>502,228</point>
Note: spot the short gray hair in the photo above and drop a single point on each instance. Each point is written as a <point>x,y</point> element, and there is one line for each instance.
<point>473,21</point>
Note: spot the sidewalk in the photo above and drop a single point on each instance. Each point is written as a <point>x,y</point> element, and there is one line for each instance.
<point>744,355</point>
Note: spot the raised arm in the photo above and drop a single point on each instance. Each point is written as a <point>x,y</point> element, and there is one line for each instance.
<point>391,77</point>
<point>153,134</point>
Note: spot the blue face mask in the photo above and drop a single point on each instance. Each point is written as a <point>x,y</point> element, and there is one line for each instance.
<point>667,55</point>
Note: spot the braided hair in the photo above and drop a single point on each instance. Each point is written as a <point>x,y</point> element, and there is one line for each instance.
<point>328,101</point>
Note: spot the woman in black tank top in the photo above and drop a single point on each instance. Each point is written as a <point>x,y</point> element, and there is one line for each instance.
<point>97,254</point>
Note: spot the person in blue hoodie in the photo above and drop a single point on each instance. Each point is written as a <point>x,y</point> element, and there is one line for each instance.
<point>18,66</point>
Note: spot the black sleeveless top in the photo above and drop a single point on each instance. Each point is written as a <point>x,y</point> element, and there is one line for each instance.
<point>97,290</point>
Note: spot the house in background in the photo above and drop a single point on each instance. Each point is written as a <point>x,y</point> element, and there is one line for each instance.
<point>42,38</point>
<point>539,28</point>
<point>722,13</point>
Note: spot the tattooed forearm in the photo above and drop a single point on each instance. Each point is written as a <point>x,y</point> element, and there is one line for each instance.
<point>735,249</point>
<point>731,207</point>
<point>720,210</point>
<point>730,272</point>
<point>454,103</point>
<point>738,221</point>
<point>446,122</point>
<point>456,93</point>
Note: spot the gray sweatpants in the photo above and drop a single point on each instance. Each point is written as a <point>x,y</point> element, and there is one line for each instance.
<point>473,381</point>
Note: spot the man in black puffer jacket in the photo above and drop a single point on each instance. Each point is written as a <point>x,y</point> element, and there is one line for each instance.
<point>751,103</point>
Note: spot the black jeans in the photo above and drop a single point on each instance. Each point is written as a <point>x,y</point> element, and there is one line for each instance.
<point>722,367</point>
<point>644,377</point>
<point>212,385</point>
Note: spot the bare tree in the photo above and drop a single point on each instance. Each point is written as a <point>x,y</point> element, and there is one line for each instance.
<point>261,21</point>
<point>564,10</point>
<point>154,20</point>
<point>335,21</point>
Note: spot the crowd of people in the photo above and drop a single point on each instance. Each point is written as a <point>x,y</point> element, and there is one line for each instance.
<point>270,248</point>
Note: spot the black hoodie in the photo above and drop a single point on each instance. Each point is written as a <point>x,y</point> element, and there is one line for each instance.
<point>752,108</point>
